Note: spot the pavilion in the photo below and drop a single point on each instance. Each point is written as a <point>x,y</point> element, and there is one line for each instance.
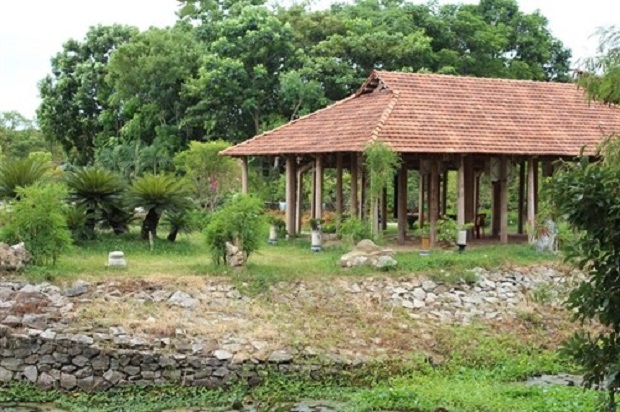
<point>438,124</point>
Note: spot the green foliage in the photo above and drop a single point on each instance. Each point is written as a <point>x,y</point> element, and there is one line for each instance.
<point>212,175</point>
<point>77,219</point>
<point>602,78</point>
<point>148,75</point>
<point>158,194</point>
<point>75,95</point>
<point>19,137</point>
<point>381,163</point>
<point>354,229</point>
<point>100,193</point>
<point>583,192</point>
<point>178,222</point>
<point>16,173</point>
<point>38,219</point>
<point>238,222</point>
<point>280,225</point>
<point>446,231</point>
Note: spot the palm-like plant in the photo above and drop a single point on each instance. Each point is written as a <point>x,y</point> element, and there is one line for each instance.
<point>158,194</point>
<point>99,192</point>
<point>16,173</point>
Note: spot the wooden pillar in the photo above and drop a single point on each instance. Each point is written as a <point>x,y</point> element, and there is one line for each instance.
<point>531,197</point>
<point>364,193</point>
<point>422,192</point>
<point>469,191</point>
<point>503,199</point>
<point>384,210</point>
<point>338,189</point>
<point>460,203</point>
<point>291,175</point>
<point>244,175</point>
<point>354,182</point>
<point>547,168</point>
<point>402,204</point>
<point>536,185</point>
<point>299,201</point>
<point>313,193</point>
<point>520,211</point>
<point>477,193</point>
<point>427,184</point>
<point>495,209</point>
<point>395,209</point>
<point>433,201</point>
<point>444,192</point>
<point>318,187</point>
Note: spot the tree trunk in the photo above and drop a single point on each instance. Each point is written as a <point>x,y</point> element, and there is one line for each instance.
<point>149,224</point>
<point>90,223</point>
<point>172,236</point>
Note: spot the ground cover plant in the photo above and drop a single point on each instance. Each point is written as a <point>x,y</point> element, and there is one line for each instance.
<point>488,376</point>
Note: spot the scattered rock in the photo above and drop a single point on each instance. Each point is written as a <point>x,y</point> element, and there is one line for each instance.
<point>182,299</point>
<point>366,253</point>
<point>13,258</point>
<point>235,257</point>
<point>78,289</point>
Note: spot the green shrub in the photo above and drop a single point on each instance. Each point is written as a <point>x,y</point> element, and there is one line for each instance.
<point>38,219</point>
<point>238,222</point>
<point>446,231</point>
<point>354,229</point>
<point>77,217</point>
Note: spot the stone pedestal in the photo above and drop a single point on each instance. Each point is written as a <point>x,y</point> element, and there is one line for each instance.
<point>116,260</point>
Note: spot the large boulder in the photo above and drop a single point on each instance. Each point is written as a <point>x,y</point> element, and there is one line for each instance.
<point>367,253</point>
<point>13,258</point>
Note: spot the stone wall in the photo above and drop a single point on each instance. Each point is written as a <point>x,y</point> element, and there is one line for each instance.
<point>72,362</point>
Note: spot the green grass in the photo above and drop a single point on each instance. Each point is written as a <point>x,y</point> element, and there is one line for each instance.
<point>288,261</point>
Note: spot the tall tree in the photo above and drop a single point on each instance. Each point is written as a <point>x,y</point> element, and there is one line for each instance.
<point>75,94</point>
<point>239,80</point>
<point>147,76</point>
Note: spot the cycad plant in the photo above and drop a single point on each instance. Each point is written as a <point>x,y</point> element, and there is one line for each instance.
<point>15,173</point>
<point>158,194</point>
<point>178,222</point>
<point>100,193</point>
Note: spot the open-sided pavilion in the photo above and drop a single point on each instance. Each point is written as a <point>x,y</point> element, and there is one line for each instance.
<point>438,124</point>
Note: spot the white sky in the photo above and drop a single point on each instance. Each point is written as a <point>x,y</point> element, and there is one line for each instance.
<point>31,32</point>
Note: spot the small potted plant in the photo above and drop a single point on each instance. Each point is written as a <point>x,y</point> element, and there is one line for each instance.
<point>447,231</point>
<point>315,235</point>
<point>424,233</point>
<point>277,228</point>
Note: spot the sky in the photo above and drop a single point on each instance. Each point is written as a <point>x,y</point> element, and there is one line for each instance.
<point>31,32</point>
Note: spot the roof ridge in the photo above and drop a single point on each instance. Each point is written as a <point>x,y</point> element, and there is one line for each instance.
<point>289,123</point>
<point>457,76</point>
<point>385,116</point>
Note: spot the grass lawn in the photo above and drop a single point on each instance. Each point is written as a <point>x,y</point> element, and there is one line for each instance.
<point>288,261</point>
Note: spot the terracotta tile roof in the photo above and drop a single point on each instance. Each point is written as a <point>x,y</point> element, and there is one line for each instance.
<point>428,113</point>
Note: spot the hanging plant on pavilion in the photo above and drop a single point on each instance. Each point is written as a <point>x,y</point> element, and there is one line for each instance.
<point>381,163</point>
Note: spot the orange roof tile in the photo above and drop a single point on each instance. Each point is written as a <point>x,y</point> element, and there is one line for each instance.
<point>429,113</point>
